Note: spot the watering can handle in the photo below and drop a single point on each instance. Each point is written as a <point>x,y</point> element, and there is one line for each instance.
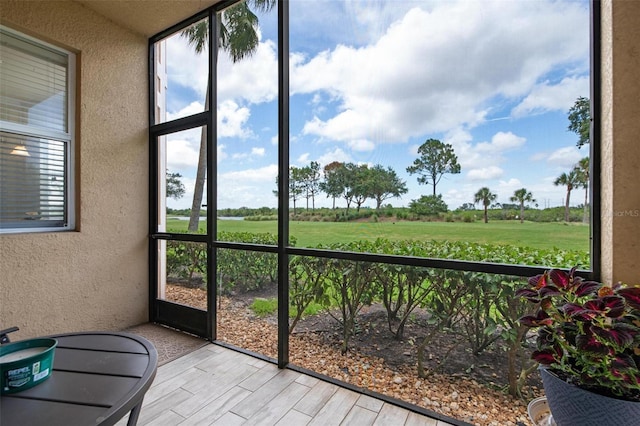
<point>4,338</point>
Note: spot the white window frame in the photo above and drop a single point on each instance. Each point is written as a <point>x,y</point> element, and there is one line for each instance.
<point>68,137</point>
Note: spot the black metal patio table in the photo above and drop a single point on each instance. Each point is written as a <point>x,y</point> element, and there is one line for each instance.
<point>97,378</point>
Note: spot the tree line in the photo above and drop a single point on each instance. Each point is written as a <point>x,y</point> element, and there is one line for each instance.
<point>358,183</point>
<point>578,177</point>
<point>352,182</point>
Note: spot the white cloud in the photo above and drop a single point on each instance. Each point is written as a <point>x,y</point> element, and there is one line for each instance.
<point>336,155</point>
<point>303,158</point>
<point>485,173</point>
<point>539,156</point>
<point>250,187</point>
<point>268,173</point>
<point>483,158</point>
<point>181,155</point>
<point>232,120</point>
<point>547,97</point>
<point>362,145</point>
<point>187,69</point>
<point>255,152</point>
<point>566,157</point>
<point>194,107</point>
<point>444,75</point>
<point>258,152</point>
<point>501,142</point>
<point>506,188</point>
<point>253,79</point>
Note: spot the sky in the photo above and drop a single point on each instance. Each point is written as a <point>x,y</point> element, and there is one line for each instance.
<point>372,80</point>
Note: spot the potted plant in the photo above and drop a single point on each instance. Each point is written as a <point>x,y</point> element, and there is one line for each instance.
<point>588,348</point>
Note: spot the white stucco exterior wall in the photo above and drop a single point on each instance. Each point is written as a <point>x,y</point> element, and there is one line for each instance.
<point>96,277</point>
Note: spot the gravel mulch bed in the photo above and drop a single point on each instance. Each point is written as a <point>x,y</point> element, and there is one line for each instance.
<point>371,364</point>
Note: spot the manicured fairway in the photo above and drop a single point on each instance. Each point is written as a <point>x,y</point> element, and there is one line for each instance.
<point>529,234</point>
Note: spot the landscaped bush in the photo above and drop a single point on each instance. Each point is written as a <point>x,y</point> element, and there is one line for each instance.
<point>306,280</point>
<point>425,206</point>
<point>185,259</point>
<point>346,288</point>
<point>480,307</point>
<point>428,205</point>
<point>238,270</point>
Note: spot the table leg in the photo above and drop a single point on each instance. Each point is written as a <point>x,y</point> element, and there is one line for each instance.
<point>133,415</point>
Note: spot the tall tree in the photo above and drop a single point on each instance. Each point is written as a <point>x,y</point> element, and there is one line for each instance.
<point>436,159</point>
<point>311,182</point>
<point>346,175</point>
<point>582,170</point>
<point>570,180</point>
<point>386,184</point>
<point>238,35</point>
<point>362,185</point>
<point>332,184</point>
<point>296,185</point>
<point>580,120</point>
<point>486,197</point>
<point>522,196</point>
<point>175,187</point>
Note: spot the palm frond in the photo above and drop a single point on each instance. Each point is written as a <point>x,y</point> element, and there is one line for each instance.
<point>197,35</point>
<point>238,29</point>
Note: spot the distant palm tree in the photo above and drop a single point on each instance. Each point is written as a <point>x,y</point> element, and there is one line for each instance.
<point>582,169</point>
<point>238,35</point>
<point>522,196</point>
<point>486,197</point>
<point>570,180</point>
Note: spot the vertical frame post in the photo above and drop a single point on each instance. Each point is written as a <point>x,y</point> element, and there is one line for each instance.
<point>283,183</point>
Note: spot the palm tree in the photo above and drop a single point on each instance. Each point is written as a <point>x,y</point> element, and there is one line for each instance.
<point>486,197</point>
<point>238,35</point>
<point>582,169</point>
<point>522,196</point>
<point>570,180</point>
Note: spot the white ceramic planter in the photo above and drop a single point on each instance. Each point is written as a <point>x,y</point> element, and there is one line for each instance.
<point>539,412</point>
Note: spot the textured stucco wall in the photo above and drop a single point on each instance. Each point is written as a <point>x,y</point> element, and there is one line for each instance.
<point>96,278</point>
<point>621,141</point>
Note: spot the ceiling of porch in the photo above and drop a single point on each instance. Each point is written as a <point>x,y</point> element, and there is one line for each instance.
<point>147,17</point>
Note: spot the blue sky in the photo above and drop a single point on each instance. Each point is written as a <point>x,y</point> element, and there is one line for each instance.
<point>372,80</point>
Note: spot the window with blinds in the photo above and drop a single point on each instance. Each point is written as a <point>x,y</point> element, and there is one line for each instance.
<point>36,138</point>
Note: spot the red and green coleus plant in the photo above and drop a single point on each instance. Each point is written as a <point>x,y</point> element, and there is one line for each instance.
<point>588,332</point>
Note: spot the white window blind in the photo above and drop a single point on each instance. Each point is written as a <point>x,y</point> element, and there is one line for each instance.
<point>36,182</point>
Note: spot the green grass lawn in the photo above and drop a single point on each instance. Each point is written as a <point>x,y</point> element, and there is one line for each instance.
<point>528,234</point>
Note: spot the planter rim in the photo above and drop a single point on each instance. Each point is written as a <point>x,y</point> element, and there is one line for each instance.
<point>573,405</point>
<point>552,372</point>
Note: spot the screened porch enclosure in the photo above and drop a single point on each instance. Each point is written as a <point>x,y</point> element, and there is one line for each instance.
<point>253,144</point>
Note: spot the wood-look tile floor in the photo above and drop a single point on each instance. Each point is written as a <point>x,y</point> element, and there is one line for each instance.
<point>218,386</point>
